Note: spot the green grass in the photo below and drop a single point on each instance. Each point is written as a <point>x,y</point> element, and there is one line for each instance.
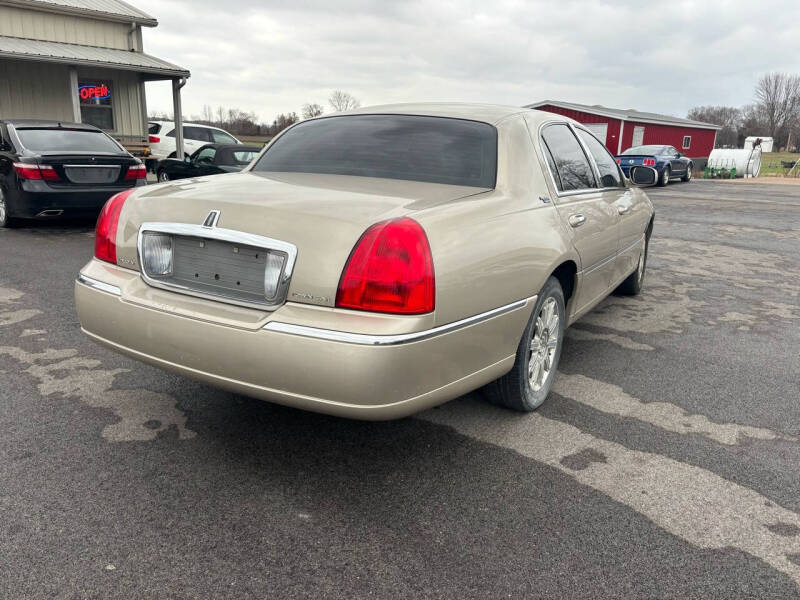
<point>254,139</point>
<point>775,158</point>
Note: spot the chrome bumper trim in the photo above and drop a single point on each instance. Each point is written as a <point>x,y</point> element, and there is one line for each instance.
<point>98,285</point>
<point>391,340</point>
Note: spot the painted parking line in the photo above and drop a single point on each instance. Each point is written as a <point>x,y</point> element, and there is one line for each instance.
<point>692,503</point>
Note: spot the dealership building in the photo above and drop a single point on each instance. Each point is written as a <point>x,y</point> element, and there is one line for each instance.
<point>81,61</point>
<point>622,129</point>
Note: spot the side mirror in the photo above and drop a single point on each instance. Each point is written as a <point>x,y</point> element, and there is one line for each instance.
<point>643,176</point>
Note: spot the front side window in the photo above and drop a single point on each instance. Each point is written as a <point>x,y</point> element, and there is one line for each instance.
<point>606,165</point>
<point>97,104</point>
<point>206,155</point>
<point>220,137</point>
<point>405,147</point>
<point>572,166</point>
<point>66,140</point>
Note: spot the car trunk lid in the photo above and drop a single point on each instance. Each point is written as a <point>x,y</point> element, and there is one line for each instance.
<point>322,216</point>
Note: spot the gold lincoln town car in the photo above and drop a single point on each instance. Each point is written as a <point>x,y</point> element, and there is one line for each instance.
<point>374,263</point>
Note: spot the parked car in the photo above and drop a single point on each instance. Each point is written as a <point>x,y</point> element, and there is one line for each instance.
<point>50,168</point>
<point>375,263</point>
<point>211,159</point>
<point>666,160</point>
<point>161,137</point>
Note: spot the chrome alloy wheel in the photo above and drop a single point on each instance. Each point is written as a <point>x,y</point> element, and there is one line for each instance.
<point>3,212</point>
<point>640,267</point>
<point>544,344</point>
<point>688,173</point>
<point>162,176</point>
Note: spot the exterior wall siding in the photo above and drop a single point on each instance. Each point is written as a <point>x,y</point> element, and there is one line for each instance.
<point>32,90</point>
<point>51,27</point>
<point>702,142</point>
<point>612,136</point>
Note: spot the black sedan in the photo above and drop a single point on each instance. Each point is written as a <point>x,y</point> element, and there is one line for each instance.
<point>210,159</point>
<point>50,168</point>
<point>666,160</point>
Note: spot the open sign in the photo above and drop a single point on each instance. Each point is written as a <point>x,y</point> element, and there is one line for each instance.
<point>90,92</point>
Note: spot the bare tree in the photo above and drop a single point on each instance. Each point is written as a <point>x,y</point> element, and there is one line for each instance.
<point>728,117</point>
<point>312,110</point>
<point>341,101</point>
<point>778,99</point>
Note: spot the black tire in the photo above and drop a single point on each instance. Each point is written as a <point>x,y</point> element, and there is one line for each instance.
<point>664,179</point>
<point>632,286</point>
<point>6,220</point>
<point>514,390</point>
<point>162,176</point>
<point>688,175</point>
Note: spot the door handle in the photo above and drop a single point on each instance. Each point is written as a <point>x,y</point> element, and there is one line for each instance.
<point>624,210</point>
<point>577,220</point>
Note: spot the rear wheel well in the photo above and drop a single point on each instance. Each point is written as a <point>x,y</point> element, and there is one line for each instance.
<point>565,273</point>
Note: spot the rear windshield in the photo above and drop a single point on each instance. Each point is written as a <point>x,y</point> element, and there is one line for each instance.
<point>414,148</point>
<point>154,128</point>
<point>66,140</point>
<point>644,150</point>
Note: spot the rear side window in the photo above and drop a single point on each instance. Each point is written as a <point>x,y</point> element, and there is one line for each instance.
<point>572,166</point>
<point>606,165</point>
<point>154,128</point>
<point>406,147</point>
<point>200,134</point>
<point>67,140</point>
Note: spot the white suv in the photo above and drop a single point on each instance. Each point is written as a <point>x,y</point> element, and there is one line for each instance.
<point>162,138</point>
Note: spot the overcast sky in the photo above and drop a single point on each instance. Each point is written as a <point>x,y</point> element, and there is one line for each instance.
<point>269,57</point>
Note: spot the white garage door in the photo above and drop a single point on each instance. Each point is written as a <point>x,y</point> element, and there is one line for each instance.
<point>600,130</point>
<point>638,136</point>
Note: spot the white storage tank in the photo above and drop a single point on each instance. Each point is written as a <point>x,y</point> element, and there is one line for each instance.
<point>766,143</point>
<point>746,162</point>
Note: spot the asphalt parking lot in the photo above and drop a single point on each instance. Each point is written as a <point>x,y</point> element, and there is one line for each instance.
<point>666,464</point>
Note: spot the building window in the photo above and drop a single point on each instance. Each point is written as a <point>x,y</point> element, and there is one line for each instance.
<point>687,141</point>
<point>97,105</point>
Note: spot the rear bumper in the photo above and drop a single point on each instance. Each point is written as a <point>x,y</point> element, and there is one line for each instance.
<point>330,370</point>
<point>31,201</point>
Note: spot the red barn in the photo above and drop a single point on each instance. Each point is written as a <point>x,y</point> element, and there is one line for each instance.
<point>622,129</point>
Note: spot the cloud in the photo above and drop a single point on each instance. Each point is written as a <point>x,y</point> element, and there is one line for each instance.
<point>271,57</point>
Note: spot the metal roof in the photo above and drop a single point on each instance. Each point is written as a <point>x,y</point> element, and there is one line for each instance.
<point>76,54</point>
<point>114,10</point>
<point>626,115</point>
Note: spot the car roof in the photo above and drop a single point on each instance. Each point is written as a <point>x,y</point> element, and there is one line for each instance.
<point>488,113</point>
<point>185,123</point>
<point>38,123</point>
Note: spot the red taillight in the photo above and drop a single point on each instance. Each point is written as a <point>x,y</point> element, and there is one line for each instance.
<point>649,162</point>
<point>105,234</point>
<point>390,270</point>
<point>152,139</point>
<point>619,161</point>
<point>30,171</point>
<point>136,172</point>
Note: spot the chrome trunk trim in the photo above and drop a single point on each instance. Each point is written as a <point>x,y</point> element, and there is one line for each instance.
<point>225,235</point>
<point>392,340</point>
